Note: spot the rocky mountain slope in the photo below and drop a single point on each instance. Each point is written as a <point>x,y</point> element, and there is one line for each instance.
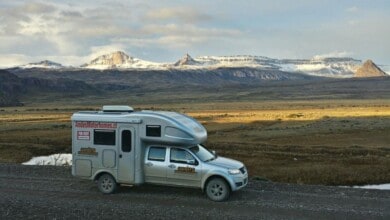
<point>369,69</point>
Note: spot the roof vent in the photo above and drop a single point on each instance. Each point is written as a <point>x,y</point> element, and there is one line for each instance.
<point>117,108</point>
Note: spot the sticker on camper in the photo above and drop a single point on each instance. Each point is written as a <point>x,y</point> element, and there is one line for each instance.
<point>92,124</point>
<point>88,151</point>
<point>189,170</point>
<point>83,135</point>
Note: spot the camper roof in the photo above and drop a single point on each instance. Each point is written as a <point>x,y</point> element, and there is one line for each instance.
<point>175,128</point>
<point>117,108</point>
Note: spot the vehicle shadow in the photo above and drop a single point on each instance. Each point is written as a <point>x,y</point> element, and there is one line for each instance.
<point>172,192</point>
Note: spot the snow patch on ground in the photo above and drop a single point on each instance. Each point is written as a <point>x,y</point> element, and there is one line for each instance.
<point>54,160</point>
<point>385,186</point>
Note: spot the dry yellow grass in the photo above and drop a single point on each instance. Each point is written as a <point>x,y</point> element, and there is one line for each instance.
<point>322,142</point>
<point>336,142</point>
<point>249,116</point>
<point>34,117</point>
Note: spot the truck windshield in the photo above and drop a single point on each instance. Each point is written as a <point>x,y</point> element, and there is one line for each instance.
<point>202,153</point>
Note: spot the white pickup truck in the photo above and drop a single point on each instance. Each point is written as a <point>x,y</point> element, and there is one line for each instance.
<point>119,146</point>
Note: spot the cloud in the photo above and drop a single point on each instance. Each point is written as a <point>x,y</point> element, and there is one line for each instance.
<point>352,9</point>
<point>333,54</point>
<point>180,14</point>
<point>174,36</point>
<point>2,25</point>
<point>71,14</point>
<point>10,60</point>
<point>37,8</point>
<point>37,24</point>
<point>165,28</point>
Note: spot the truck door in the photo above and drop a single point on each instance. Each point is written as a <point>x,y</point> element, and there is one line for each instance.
<point>156,165</point>
<point>183,168</point>
<point>126,152</point>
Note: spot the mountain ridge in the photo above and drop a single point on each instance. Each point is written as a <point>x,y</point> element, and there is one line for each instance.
<point>43,64</point>
<point>333,67</point>
<point>120,60</point>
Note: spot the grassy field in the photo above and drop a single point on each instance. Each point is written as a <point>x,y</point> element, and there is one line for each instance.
<point>334,142</point>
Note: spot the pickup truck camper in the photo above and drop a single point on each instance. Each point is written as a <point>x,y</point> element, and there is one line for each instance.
<point>120,146</point>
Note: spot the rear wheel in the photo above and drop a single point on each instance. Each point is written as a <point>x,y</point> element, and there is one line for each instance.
<point>107,184</point>
<point>217,189</point>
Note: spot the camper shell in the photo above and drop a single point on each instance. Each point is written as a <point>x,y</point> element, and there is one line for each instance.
<point>120,145</point>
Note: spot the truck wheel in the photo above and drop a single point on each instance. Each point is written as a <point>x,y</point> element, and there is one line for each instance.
<point>107,184</point>
<point>217,189</point>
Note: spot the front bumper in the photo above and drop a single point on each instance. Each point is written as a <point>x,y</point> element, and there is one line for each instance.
<point>240,180</point>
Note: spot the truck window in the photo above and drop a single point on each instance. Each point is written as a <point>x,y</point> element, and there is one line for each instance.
<point>157,153</point>
<point>126,141</point>
<point>153,130</point>
<point>181,156</point>
<point>104,137</point>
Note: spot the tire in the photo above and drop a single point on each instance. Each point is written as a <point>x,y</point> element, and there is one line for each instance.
<point>107,184</point>
<point>217,189</point>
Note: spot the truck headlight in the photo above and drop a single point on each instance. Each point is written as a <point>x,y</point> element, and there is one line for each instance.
<point>234,171</point>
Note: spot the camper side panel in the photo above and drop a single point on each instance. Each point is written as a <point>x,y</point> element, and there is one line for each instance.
<point>94,148</point>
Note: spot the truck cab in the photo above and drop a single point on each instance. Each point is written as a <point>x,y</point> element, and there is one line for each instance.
<point>119,146</point>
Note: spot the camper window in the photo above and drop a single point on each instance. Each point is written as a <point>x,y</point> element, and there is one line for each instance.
<point>153,130</point>
<point>157,153</point>
<point>104,137</point>
<point>126,141</point>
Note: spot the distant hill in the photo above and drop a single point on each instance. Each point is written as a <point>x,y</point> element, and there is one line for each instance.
<point>12,87</point>
<point>369,69</point>
<point>151,79</point>
<point>230,83</point>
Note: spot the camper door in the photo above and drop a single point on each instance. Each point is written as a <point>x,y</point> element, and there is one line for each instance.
<point>126,164</point>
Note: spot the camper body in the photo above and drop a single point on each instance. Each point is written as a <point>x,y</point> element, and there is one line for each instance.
<point>120,146</point>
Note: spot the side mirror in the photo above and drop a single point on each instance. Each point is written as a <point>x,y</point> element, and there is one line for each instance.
<point>214,152</point>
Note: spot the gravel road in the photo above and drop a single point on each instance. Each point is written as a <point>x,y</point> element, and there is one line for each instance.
<point>48,192</point>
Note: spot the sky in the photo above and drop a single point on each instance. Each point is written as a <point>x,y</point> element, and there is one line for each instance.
<point>76,31</point>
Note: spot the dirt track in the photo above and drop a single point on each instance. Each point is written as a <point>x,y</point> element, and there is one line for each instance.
<point>37,192</point>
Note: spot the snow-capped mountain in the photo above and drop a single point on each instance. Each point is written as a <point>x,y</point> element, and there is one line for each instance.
<point>120,60</point>
<point>185,61</point>
<point>342,67</point>
<point>238,61</point>
<point>327,67</point>
<point>43,64</point>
